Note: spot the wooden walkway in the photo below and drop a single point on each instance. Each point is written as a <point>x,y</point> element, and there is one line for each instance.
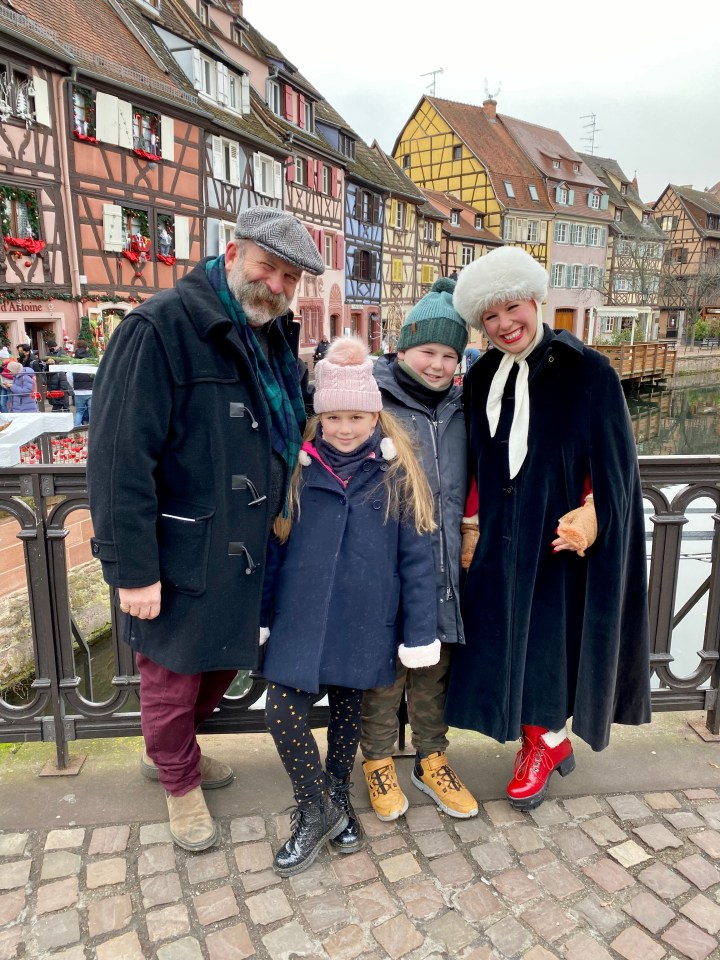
<point>642,362</point>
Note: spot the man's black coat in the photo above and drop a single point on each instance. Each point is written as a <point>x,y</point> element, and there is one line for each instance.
<point>179,476</point>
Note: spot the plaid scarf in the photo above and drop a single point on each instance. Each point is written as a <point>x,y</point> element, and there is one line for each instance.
<point>278,378</point>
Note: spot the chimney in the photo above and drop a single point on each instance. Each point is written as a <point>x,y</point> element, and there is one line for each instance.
<point>489,108</point>
<point>236,7</point>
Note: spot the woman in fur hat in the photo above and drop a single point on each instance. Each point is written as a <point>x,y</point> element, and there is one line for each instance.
<point>356,550</point>
<point>552,631</point>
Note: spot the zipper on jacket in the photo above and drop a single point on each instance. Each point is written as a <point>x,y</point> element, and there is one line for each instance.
<point>441,517</point>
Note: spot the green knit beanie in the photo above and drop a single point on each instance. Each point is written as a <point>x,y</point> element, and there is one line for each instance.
<point>434,320</point>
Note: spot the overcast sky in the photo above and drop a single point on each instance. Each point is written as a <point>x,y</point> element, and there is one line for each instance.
<point>649,72</point>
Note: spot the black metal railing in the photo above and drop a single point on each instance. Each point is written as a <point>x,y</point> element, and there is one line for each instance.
<point>65,699</point>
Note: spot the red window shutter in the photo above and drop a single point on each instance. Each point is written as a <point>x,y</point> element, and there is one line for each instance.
<point>321,243</point>
<point>290,169</point>
<point>334,181</point>
<point>288,102</point>
<point>318,175</point>
<point>339,250</point>
<point>311,173</point>
<point>301,111</point>
<point>316,235</point>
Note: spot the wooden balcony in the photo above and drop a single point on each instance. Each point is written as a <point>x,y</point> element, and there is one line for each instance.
<point>641,362</point>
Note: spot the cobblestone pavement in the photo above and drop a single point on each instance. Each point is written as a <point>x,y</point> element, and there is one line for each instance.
<point>634,876</point>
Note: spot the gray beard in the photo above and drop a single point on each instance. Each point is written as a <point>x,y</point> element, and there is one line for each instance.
<point>259,304</point>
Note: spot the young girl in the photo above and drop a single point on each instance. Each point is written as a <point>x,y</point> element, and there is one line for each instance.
<point>356,552</point>
<point>551,631</point>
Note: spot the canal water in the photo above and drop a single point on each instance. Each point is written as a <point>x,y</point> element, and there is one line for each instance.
<point>679,420</point>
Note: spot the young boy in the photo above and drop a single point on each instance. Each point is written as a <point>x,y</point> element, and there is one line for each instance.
<point>417,387</point>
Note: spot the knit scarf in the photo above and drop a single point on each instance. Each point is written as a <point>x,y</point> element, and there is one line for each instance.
<point>416,388</point>
<point>278,377</point>
<point>518,443</point>
<point>346,465</point>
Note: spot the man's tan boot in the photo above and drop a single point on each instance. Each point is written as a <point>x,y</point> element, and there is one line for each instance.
<point>434,776</point>
<point>387,799</point>
<point>214,773</point>
<point>191,825</point>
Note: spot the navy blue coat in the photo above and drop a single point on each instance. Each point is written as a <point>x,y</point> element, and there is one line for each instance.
<point>549,636</point>
<point>179,477</point>
<point>344,577</point>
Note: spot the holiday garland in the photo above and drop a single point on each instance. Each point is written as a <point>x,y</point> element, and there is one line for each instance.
<point>4,338</point>
<point>29,198</point>
<point>12,295</point>
<point>141,216</point>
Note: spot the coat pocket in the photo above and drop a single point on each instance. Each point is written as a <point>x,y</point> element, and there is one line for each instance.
<point>183,533</point>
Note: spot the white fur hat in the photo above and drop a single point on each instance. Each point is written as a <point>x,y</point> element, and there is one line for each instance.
<point>508,273</point>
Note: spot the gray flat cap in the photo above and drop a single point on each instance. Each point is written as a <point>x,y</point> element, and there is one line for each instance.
<point>281,234</point>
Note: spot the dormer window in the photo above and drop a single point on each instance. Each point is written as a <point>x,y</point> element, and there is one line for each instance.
<point>273,96</point>
<point>623,189</point>
<point>594,201</point>
<point>618,216</point>
<point>309,116</point>
<point>556,164</point>
<point>646,217</point>
<point>532,190</point>
<point>346,146</point>
<point>509,190</point>
<point>455,218</point>
<point>202,12</point>
<point>576,168</point>
<point>561,194</point>
<point>478,221</point>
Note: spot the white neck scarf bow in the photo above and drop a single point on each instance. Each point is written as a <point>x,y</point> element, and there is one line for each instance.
<point>518,445</point>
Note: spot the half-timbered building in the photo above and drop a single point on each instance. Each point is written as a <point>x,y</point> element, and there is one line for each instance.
<point>465,150</point>
<point>690,285</point>
<point>578,240</point>
<point>634,260</point>
<point>464,238</point>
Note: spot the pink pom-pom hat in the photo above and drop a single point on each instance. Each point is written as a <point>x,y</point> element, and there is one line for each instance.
<point>344,378</point>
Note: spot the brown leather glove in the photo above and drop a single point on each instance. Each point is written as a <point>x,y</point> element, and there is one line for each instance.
<point>470,535</point>
<point>579,526</point>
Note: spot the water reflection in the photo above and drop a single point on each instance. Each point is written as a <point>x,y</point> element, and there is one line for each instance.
<point>683,419</point>
<point>680,419</point>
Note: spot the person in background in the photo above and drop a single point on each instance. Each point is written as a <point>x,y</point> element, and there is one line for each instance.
<point>417,387</point>
<point>81,383</point>
<point>58,388</point>
<point>53,350</point>
<point>5,379</point>
<point>555,600</point>
<point>22,389</point>
<point>358,527</point>
<point>196,431</point>
<point>321,349</point>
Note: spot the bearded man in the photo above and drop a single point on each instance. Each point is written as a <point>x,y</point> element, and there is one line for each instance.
<point>197,425</point>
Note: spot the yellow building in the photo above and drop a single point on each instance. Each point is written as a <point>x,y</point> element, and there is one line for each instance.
<point>464,150</point>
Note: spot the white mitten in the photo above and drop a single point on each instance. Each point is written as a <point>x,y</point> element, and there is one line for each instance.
<point>264,635</point>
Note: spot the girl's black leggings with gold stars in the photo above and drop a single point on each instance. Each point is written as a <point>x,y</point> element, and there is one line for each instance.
<point>287,714</point>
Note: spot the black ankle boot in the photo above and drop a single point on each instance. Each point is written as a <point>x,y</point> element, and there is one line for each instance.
<point>351,838</point>
<point>312,824</point>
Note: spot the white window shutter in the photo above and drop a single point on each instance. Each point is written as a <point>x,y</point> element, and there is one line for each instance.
<point>217,158</point>
<point>223,83</point>
<point>197,77</point>
<point>235,164</point>
<point>257,173</point>
<point>245,94</point>
<point>182,238</point>
<point>112,227</point>
<point>106,117</point>
<point>42,101</point>
<point>167,138</point>
<point>543,231</point>
<point>212,241</point>
<point>277,177</point>
<point>125,131</point>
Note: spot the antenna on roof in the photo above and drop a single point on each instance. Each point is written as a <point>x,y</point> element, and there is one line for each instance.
<point>433,74</point>
<point>592,129</point>
<point>490,94</point>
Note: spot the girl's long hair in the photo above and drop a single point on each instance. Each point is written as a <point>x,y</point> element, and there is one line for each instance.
<point>408,494</point>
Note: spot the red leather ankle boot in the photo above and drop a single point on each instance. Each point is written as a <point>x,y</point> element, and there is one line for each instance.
<point>534,764</point>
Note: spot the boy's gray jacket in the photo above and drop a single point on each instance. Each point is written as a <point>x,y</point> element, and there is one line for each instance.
<point>442,446</point>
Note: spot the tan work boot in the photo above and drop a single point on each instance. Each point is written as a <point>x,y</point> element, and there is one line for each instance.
<point>214,773</point>
<point>434,776</point>
<point>387,799</point>
<point>191,825</point>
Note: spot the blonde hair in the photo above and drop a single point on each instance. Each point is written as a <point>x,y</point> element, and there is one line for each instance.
<point>408,492</point>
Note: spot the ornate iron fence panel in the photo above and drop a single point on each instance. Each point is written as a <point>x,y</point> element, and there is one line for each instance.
<point>68,699</point>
